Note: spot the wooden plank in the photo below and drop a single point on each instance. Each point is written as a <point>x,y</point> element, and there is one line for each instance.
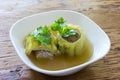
<point>105,13</point>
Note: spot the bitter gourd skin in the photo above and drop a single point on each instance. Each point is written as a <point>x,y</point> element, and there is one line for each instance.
<point>76,45</point>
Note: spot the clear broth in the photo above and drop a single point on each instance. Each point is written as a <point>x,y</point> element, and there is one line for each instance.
<point>63,61</point>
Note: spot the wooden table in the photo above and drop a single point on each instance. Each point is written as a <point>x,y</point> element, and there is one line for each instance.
<point>106,13</point>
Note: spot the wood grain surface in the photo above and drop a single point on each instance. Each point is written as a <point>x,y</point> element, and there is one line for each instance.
<point>106,13</point>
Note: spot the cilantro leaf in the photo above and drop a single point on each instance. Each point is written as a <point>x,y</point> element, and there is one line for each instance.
<point>64,30</point>
<point>55,26</point>
<point>60,20</point>
<point>68,31</point>
<point>43,35</point>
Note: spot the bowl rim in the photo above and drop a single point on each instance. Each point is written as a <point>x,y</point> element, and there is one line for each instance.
<point>62,70</point>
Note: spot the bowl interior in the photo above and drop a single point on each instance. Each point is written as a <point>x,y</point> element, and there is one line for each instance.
<point>95,34</point>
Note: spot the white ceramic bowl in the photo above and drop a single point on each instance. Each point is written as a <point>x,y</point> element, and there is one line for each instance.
<point>98,38</point>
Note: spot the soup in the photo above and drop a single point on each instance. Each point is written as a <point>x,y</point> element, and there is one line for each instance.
<point>63,61</point>
<point>58,46</point>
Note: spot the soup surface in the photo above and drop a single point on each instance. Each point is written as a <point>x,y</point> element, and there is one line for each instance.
<point>63,61</point>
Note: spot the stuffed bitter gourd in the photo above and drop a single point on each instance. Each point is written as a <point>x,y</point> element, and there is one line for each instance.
<point>42,42</point>
<point>70,38</point>
<point>72,45</point>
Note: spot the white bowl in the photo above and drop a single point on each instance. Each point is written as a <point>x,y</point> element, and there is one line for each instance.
<point>98,38</point>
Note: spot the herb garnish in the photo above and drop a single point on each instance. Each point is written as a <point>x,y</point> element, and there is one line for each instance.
<point>63,29</point>
<point>43,35</point>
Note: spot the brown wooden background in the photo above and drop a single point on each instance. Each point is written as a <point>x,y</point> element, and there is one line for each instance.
<point>105,13</point>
